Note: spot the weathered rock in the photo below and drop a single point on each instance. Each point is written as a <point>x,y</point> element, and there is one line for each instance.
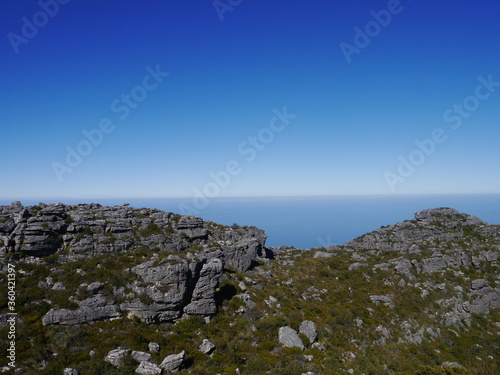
<point>141,356</point>
<point>206,347</point>
<point>153,347</point>
<point>323,254</point>
<point>478,284</point>
<point>92,229</point>
<point>116,356</point>
<point>58,286</point>
<point>70,371</point>
<point>452,364</point>
<point>95,287</point>
<point>384,299</point>
<point>173,363</point>
<point>308,329</point>
<point>203,297</point>
<point>289,338</point>
<point>90,310</point>
<point>148,368</point>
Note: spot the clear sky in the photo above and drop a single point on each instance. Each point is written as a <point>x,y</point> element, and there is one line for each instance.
<point>262,98</point>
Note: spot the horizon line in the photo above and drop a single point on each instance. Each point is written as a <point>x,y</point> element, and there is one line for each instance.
<point>247,196</point>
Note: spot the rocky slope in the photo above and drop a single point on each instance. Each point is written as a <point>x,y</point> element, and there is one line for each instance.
<point>118,290</point>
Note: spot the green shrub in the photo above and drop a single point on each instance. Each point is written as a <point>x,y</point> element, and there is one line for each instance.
<point>151,229</point>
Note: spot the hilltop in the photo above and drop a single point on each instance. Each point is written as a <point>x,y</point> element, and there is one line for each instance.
<point>117,290</point>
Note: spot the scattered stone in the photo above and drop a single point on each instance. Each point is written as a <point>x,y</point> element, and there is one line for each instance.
<point>95,287</point>
<point>355,266</point>
<point>323,254</point>
<point>384,299</point>
<point>452,364</point>
<point>308,329</point>
<point>289,338</point>
<point>478,284</point>
<point>148,368</point>
<point>141,356</point>
<point>116,356</point>
<point>173,362</point>
<point>70,371</point>
<point>58,286</point>
<point>206,347</point>
<point>318,345</point>
<point>243,287</point>
<point>153,347</point>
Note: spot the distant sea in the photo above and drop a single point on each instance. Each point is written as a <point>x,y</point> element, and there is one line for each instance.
<point>311,222</point>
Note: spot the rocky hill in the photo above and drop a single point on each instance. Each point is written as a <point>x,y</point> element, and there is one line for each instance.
<point>118,290</point>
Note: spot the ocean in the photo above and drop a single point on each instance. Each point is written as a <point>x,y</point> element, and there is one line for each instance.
<point>306,222</point>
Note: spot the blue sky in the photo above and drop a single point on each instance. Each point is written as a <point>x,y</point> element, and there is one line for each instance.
<point>352,122</point>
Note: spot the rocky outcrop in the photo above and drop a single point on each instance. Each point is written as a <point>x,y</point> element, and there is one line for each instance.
<point>426,232</point>
<point>86,230</point>
<point>90,310</point>
<point>437,241</point>
<point>165,287</point>
<point>203,297</point>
